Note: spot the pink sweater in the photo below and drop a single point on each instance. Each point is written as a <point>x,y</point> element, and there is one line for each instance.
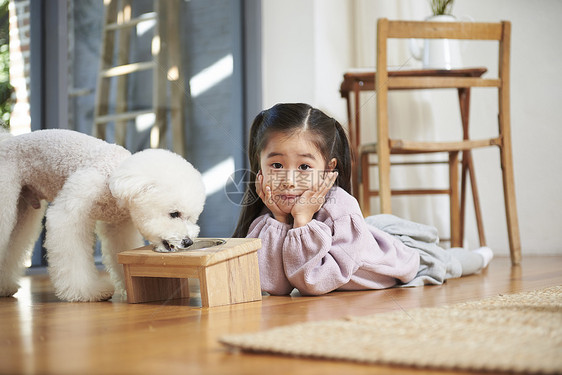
<point>336,250</point>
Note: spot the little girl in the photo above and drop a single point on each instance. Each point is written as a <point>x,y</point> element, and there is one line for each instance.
<point>314,236</point>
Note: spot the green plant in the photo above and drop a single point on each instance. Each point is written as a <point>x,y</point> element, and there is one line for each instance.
<point>441,7</point>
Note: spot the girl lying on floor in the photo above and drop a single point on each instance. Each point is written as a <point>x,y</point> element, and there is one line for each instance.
<point>314,236</point>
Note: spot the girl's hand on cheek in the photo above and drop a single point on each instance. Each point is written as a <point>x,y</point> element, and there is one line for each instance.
<point>264,191</point>
<point>312,200</point>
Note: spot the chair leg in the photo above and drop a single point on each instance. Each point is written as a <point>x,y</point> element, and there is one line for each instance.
<point>468,166</point>
<point>454,199</point>
<point>510,205</point>
<point>355,139</point>
<point>504,116</point>
<point>464,106</point>
<point>383,146</point>
<point>476,199</point>
<point>384,180</point>
<point>464,171</point>
<point>365,201</point>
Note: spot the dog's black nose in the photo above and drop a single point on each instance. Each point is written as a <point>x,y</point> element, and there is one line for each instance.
<point>186,242</point>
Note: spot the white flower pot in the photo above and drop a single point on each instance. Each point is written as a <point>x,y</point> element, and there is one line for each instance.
<point>438,53</point>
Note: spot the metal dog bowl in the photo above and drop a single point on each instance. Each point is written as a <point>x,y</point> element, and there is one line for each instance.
<point>204,243</point>
<point>198,244</point>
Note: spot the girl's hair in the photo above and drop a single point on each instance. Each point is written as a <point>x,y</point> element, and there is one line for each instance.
<point>327,135</point>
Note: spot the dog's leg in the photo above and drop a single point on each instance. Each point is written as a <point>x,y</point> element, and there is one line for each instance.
<point>70,240</point>
<point>114,239</point>
<point>17,243</point>
<point>23,237</point>
<point>9,196</point>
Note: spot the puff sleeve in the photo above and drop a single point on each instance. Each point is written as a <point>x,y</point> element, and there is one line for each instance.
<point>272,234</point>
<point>319,257</point>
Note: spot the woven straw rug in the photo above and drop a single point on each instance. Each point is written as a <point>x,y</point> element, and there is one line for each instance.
<point>517,333</point>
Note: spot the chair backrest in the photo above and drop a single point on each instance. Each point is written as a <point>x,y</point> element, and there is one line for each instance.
<point>500,31</point>
<point>386,29</point>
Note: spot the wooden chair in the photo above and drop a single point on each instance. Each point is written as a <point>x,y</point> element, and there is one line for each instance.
<point>385,146</point>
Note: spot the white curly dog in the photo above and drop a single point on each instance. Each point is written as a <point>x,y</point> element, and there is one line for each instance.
<point>93,188</point>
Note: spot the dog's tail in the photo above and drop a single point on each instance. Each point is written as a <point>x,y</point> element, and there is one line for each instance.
<point>4,134</point>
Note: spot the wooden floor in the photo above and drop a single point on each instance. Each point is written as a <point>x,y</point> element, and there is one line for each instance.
<point>39,334</point>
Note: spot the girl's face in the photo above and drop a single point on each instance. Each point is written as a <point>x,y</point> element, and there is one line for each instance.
<point>292,164</point>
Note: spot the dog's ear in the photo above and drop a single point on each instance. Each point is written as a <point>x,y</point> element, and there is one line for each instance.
<point>128,185</point>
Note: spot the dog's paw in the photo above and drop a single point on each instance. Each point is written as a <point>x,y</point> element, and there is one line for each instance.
<point>100,290</point>
<point>8,290</point>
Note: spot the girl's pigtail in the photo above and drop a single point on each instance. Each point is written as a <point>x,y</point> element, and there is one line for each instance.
<point>252,205</point>
<point>342,153</point>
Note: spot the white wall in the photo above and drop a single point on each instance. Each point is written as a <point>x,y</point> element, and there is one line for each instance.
<point>306,48</point>
<point>308,45</point>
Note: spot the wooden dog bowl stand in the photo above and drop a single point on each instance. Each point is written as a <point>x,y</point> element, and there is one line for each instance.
<point>227,273</point>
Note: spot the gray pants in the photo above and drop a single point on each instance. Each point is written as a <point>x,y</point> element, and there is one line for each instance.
<point>436,263</point>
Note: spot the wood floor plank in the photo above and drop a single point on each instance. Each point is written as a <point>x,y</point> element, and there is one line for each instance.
<point>40,334</point>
